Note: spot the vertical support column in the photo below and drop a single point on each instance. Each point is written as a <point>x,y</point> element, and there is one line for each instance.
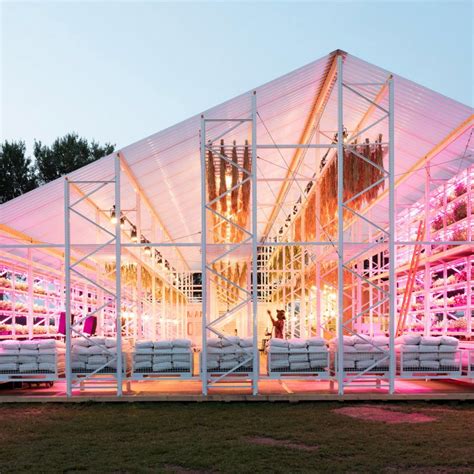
<point>427,274</point>
<point>256,360</point>
<point>203,257</point>
<point>118,277</point>
<point>31,282</point>
<point>391,240</point>
<point>67,268</point>
<point>340,230</point>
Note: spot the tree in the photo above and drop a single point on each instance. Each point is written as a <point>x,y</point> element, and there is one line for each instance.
<point>66,154</point>
<point>17,174</point>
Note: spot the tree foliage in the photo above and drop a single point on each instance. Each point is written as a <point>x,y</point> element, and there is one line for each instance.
<point>66,154</point>
<point>17,173</point>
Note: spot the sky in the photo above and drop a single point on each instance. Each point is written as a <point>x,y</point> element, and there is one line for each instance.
<point>119,71</point>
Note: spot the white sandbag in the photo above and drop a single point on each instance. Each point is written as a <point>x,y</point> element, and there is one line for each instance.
<point>181,343</point>
<point>161,359</point>
<point>299,366</point>
<point>429,364</point>
<point>230,356</point>
<point>315,341</point>
<point>110,342</point>
<point>280,364</point>
<point>449,341</point>
<point>30,345</point>
<point>317,349</point>
<point>297,343</point>
<point>46,343</point>
<point>430,341</point>
<point>80,358</point>
<point>212,364</point>
<point>214,342</point>
<point>100,340</point>
<point>10,367</point>
<point>48,351</point>
<point>80,350</point>
<point>9,352</point>
<point>298,358</point>
<point>144,350</point>
<point>181,358</point>
<point>274,342</point>
<point>143,344</point>
<point>163,344</point>
<point>380,341</point>
<point>27,359</point>
<point>145,364</point>
<point>214,350</point>
<point>143,358</point>
<point>428,348</point>
<point>449,363</point>
<point>181,365</point>
<point>31,367</point>
<point>298,350</point>
<point>97,359</point>
<point>447,348</point>
<point>278,350</point>
<point>410,356</point>
<point>8,359</point>
<point>246,342</point>
<point>447,355</point>
<point>80,341</point>
<point>408,339</point>
<point>228,350</point>
<point>364,347</point>
<point>348,349</point>
<point>213,357</point>
<point>10,344</point>
<point>347,340</point>
<point>407,348</point>
<point>230,340</point>
<point>28,352</point>
<point>180,350</point>
<point>349,364</point>
<point>429,356</point>
<point>317,363</point>
<point>47,367</point>
<point>163,352</point>
<point>318,356</point>
<point>78,365</point>
<point>46,359</point>
<point>96,350</point>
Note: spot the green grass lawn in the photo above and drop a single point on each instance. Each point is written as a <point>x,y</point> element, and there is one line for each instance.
<point>219,437</point>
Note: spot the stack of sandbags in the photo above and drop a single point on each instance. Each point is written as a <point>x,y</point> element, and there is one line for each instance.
<point>225,353</point>
<point>362,352</point>
<point>94,354</point>
<point>171,355</point>
<point>297,355</point>
<point>30,356</point>
<point>427,353</point>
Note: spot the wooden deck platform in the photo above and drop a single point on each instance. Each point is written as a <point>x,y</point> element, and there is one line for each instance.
<point>269,391</point>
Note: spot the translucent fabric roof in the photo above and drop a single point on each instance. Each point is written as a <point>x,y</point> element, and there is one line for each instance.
<point>166,165</point>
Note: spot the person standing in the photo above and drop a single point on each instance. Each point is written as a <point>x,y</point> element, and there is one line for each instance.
<point>278,323</point>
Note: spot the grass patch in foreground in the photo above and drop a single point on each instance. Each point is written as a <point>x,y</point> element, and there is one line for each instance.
<point>218,437</point>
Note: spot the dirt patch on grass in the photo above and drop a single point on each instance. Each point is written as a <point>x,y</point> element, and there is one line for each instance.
<point>281,443</point>
<point>183,470</point>
<point>383,415</point>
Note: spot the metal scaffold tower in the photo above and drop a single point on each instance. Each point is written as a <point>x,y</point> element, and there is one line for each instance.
<point>227,242</point>
<point>350,265</point>
<point>110,373</point>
